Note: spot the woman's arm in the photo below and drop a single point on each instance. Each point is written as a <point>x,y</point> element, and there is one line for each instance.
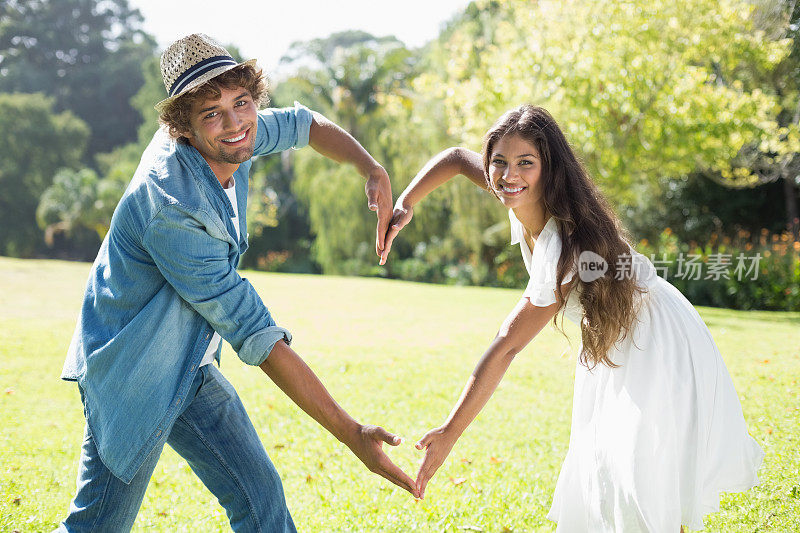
<point>519,328</point>
<point>441,168</point>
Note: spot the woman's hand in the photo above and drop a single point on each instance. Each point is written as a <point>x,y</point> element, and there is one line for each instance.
<point>400,217</point>
<point>437,171</point>
<point>437,444</point>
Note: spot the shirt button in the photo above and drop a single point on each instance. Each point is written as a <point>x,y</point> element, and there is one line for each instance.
<point>158,433</point>
<point>193,367</point>
<point>178,401</point>
<point>208,335</point>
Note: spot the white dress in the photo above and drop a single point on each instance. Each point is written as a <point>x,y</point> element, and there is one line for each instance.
<point>655,440</point>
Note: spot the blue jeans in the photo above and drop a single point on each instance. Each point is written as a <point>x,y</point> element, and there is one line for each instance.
<point>217,439</point>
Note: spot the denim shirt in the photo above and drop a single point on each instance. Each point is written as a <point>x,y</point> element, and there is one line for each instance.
<point>164,280</point>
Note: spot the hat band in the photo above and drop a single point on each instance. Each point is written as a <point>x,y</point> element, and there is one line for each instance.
<point>198,70</point>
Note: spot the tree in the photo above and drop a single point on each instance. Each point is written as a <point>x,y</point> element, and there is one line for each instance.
<point>643,89</point>
<point>342,75</point>
<point>775,154</point>
<point>345,77</point>
<point>78,207</point>
<point>36,143</point>
<point>86,54</point>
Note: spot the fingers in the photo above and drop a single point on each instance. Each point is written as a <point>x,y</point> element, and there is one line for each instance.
<point>434,457</point>
<point>379,199</point>
<point>399,220</point>
<point>387,246</point>
<point>392,472</point>
<point>422,482</point>
<point>389,438</point>
<point>426,471</point>
<point>424,441</point>
<point>372,197</point>
<point>384,212</point>
<point>384,466</point>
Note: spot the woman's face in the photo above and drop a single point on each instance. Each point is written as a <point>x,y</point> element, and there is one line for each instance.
<point>515,172</point>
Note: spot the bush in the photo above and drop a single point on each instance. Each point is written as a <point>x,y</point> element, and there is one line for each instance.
<point>742,272</point>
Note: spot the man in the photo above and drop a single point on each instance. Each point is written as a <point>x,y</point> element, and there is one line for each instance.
<point>164,288</point>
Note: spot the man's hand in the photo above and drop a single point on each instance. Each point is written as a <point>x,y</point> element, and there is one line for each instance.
<point>437,445</point>
<point>367,445</point>
<point>333,142</point>
<point>379,198</point>
<point>298,381</point>
<point>402,215</point>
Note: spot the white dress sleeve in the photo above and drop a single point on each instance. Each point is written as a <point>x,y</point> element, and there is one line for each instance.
<point>544,266</point>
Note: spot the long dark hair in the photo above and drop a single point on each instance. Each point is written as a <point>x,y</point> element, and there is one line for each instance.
<point>585,222</point>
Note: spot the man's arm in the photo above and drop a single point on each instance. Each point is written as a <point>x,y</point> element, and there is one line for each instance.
<point>299,383</point>
<point>335,143</point>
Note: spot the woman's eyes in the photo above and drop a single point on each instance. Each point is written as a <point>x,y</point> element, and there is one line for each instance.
<point>500,162</point>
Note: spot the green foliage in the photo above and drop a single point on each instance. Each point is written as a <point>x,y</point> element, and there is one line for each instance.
<point>647,94</point>
<point>36,143</point>
<point>666,103</point>
<point>151,92</point>
<point>349,76</point>
<point>773,154</point>
<point>747,271</point>
<point>277,223</point>
<point>404,373</point>
<point>86,54</point>
<point>347,73</point>
<point>76,204</point>
<point>336,205</point>
<point>642,91</point>
<point>696,206</point>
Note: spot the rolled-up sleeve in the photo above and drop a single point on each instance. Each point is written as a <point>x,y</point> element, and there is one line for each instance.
<point>281,129</point>
<point>191,253</point>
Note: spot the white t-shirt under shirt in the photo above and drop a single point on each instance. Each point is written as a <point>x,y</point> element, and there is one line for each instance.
<point>230,190</point>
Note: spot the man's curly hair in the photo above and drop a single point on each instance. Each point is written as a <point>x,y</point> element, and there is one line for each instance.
<point>175,115</point>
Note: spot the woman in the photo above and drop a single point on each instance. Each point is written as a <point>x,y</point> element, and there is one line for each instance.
<point>657,429</point>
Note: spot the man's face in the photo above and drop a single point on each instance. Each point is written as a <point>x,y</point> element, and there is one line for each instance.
<point>224,130</point>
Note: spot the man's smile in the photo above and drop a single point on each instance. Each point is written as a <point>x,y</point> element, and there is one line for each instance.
<point>238,138</point>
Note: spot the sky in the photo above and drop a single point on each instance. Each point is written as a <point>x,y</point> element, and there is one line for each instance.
<point>265,29</point>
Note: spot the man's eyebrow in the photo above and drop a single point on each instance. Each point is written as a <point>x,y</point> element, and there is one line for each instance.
<point>245,94</point>
<point>210,108</point>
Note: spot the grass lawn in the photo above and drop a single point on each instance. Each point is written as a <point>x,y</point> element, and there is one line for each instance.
<point>392,353</point>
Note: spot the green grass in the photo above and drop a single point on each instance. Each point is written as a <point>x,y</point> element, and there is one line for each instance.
<point>392,353</point>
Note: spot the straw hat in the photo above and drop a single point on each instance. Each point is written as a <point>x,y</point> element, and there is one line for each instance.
<point>192,61</point>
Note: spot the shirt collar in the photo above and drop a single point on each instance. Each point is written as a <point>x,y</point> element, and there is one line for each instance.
<point>205,175</point>
<point>517,229</point>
